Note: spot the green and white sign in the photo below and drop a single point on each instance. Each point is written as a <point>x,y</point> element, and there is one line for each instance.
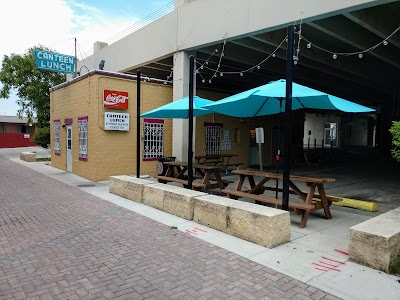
<point>56,62</point>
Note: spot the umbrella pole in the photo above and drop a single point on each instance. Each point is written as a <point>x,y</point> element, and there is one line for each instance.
<point>138,124</point>
<point>287,115</point>
<point>190,146</point>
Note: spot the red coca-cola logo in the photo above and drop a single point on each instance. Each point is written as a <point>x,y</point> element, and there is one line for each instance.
<point>115,99</point>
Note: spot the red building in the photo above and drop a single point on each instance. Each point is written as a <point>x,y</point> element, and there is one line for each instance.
<point>16,132</point>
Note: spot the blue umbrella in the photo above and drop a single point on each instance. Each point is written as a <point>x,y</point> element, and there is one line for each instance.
<point>179,109</point>
<point>270,99</point>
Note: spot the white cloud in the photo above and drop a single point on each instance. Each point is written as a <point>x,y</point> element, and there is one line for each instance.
<point>54,24</point>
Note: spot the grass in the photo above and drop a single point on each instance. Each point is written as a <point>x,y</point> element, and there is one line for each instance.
<point>394,267</point>
<point>43,159</point>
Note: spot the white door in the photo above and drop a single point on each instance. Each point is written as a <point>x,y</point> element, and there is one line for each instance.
<point>69,148</point>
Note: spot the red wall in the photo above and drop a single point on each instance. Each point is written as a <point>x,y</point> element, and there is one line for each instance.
<point>14,140</point>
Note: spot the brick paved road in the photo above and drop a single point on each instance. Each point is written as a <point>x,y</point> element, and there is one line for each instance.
<point>58,242</point>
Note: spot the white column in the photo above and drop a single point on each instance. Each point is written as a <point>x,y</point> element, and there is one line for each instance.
<point>180,127</point>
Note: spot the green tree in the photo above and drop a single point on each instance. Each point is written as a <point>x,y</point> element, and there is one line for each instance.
<point>19,73</point>
<point>395,131</point>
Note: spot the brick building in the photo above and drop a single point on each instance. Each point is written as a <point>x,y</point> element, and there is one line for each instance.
<point>16,132</point>
<point>89,137</point>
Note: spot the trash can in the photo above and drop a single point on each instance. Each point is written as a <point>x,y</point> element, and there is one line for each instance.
<point>161,169</point>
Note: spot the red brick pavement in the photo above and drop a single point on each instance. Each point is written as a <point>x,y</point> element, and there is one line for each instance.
<point>58,242</point>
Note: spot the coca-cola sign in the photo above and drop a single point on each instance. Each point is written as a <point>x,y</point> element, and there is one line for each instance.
<point>115,99</point>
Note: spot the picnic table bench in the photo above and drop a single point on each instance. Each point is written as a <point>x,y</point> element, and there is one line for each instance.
<point>222,160</point>
<point>309,198</point>
<point>209,175</point>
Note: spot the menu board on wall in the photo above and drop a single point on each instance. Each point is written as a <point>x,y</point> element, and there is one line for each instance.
<point>116,121</point>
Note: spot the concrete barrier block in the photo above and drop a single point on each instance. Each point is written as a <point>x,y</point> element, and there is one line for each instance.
<point>153,195</point>
<point>28,156</point>
<point>212,211</point>
<point>118,184</point>
<point>180,201</point>
<point>376,242</point>
<point>259,224</point>
<point>134,187</point>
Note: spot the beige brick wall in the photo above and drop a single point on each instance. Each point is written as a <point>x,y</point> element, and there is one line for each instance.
<point>109,152</point>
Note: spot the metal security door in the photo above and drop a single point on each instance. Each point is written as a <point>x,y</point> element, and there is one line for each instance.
<point>69,148</point>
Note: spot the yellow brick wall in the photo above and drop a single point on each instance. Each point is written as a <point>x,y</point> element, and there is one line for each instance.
<point>109,152</point>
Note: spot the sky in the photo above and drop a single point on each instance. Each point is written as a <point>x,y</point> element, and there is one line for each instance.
<point>55,24</point>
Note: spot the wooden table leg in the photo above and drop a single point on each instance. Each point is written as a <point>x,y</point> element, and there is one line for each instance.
<point>219,179</point>
<point>324,201</point>
<point>309,200</point>
<point>239,185</point>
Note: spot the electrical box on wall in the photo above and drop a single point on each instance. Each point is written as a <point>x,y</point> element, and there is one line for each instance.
<point>260,135</point>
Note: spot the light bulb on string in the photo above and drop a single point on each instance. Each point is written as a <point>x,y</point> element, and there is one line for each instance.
<point>221,74</point>
<point>206,62</point>
<point>202,67</point>
<point>241,74</point>
<point>334,56</point>
<point>295,62</point>
<point>258,67</point>
<point>273,55</point>
<point>385,42</point>
<point>216,50</point>
<point>360,55</point>
<point>209,81</point>
<point>309,45</point>
<point>203,81</point>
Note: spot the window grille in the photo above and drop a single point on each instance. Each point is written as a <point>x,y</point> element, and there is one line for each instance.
<point>213,138</point>
<point>2,128</point>
<point>153,139</point>
<point>56,128</point>
<point>83,138</point>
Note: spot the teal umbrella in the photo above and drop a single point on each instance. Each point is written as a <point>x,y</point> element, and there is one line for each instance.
<point>179,109</point>
<point>270,99</point>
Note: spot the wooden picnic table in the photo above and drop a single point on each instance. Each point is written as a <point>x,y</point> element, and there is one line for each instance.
<point>209,175</point>
<point>222,160</point>
<point>309,198</point>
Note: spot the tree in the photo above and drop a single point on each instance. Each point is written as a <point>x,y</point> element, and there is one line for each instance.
<point>32,85</point>
<point>395,131</point>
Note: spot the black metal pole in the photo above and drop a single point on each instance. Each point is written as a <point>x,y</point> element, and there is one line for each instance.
<point>138,73</point>
<point>288,119</point>
<point>190,146</point>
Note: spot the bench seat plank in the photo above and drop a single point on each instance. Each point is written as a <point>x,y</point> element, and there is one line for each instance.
<point>165,179</point>
<point>303,206</point>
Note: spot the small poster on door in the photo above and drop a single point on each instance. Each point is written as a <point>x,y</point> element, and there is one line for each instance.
<point>226,142</point>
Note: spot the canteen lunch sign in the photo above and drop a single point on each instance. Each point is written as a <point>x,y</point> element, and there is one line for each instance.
<point>56,62</point>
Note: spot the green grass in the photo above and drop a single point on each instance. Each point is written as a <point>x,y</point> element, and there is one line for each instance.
<point>394,267</point>
<point>43,159</point>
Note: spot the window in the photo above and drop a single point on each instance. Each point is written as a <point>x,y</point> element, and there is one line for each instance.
<point>21,129</point>
<point>56,129</point>
<point>153,139</point>
<point>331,134</point>
<point>213,138</point>
<point>83,138</point>
<point>2,128</point>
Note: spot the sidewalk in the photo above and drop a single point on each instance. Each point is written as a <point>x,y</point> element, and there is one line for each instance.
<point>97,247</point>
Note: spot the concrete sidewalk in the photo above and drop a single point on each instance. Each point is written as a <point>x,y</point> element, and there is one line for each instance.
<point>316,255</point>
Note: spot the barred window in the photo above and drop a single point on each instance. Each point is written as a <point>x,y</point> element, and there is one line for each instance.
<point>83,138</point>
<point>56,129</point>
<point>213,138</point>
<point>153,139</point>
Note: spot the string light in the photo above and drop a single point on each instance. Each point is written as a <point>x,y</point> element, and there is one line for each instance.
<point>360,54</point>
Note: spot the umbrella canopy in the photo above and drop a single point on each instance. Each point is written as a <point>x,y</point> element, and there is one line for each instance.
<point>179,109</point>
<point>270,99</point>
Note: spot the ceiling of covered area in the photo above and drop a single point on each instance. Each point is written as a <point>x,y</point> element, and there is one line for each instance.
<point>369,80</point>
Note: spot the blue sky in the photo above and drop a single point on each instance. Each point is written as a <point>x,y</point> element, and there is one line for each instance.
<point>55,23</point>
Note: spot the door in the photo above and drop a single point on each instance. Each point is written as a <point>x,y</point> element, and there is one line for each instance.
<point>69,148</point>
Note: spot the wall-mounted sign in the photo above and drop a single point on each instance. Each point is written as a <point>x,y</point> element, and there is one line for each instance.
<point>116,121</point>
<point>27,136</point>
<point>56,62</point>
<point>115,99</point>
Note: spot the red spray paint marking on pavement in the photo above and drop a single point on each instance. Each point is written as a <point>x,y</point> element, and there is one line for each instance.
<point>327,268</point>
<point>190,232</point>
<point>327,264</point>
<point>339,262</point>
<point>200,229</point>
<point>341,251</point>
